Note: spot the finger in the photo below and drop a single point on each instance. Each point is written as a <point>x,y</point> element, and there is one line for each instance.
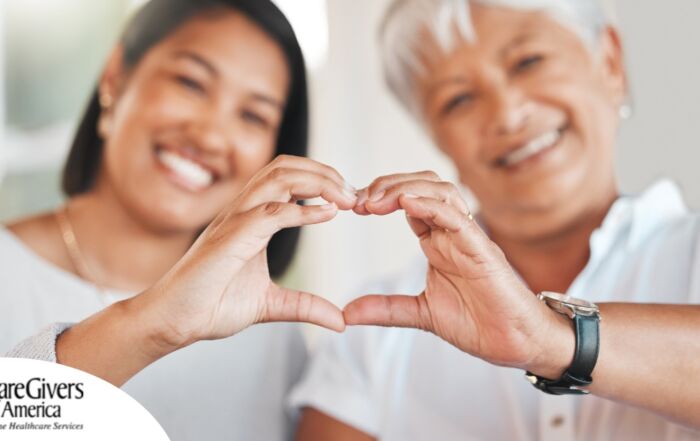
<point>247,234</point>
<point>359,207</point>
<point>383,182</point>
<point>388,201</point>
<point>287,184</point>
<point>434,212</point>
<point>257,226</point>
<point>275,216</point>
<point>419,227</point>
<point>466,232</point>
<point>395,310</point>
<point>379,185</point>
<point>287,305</point>
<point>302,163</point>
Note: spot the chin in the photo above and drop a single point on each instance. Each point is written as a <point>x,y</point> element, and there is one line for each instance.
<point>542,207</point>
<point>171,218</point>
<point>546,193</point>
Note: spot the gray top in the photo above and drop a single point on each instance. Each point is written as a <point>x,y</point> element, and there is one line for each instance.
<point>231,389</point>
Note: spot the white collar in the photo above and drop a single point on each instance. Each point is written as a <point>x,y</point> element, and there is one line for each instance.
<point>639,216</point>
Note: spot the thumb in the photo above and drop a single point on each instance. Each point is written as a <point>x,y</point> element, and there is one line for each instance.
<point>288,305</point>
<point>396,310</point>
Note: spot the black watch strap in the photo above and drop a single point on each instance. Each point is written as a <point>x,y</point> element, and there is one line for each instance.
<point>578,375</point>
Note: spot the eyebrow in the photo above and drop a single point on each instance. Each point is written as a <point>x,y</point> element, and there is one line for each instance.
<point>517,41</point>
<point>197,59</point>
<point>268,100</point>
<point>457,79</point>
<point>214,72</point>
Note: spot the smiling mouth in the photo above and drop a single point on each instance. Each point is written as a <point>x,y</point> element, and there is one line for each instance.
<point>183,171</point>
<point>544,142</point>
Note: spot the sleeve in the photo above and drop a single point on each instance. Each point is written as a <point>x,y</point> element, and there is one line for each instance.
<point>41,346</point>
<point>339,381</point>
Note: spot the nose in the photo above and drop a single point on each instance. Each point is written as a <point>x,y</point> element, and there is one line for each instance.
<point>510,112</point>
<point>212,131</point>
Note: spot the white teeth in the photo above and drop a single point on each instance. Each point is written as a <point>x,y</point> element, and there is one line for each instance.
<point>532,148</point>
<point>191,172</point>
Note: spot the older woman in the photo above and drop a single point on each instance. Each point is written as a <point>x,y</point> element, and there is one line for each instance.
<point>525,97</point>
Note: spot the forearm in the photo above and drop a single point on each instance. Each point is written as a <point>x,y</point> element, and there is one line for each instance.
<point>114,344</point>
<point>649,357</point>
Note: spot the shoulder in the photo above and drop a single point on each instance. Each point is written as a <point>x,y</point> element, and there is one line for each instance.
<point>41,235</point>
<point>678,236</point>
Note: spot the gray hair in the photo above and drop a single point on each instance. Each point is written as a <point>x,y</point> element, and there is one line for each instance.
<point>448,20</point>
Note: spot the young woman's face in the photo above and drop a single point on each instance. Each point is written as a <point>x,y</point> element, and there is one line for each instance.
<point>193,121</point>
<point>528,113</point>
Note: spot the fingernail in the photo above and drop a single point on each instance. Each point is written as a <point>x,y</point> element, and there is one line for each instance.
<point>328,206</point>
<point>377,197</point>
<point>350,187</point>
<point>410,196</point>
<point>361,197</point>
<point>351,194</point>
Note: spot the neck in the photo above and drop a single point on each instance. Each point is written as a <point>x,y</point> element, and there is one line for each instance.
<point>552,261</point>
<point>122,253</point>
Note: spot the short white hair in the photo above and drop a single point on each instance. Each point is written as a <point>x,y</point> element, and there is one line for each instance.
<point>406,21</point>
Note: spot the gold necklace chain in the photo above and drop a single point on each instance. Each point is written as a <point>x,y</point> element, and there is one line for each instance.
<point>76,256</point>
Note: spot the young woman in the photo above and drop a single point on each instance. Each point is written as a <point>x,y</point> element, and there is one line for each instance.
<point>525,97</point>
<point>194,103</point>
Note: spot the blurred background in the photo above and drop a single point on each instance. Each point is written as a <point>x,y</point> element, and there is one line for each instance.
<point>51,52</point>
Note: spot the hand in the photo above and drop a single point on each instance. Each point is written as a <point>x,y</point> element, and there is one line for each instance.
<point>222,285</point>
<point>472,299</point>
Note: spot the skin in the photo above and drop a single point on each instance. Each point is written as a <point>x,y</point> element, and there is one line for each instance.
<point>472,299</point>
<point>213,91</point>
<point>483,100</point>
<point>527,75</point>
<point>221,286</point>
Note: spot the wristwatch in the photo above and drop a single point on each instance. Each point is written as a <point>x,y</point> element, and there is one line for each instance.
<point>586,318</point>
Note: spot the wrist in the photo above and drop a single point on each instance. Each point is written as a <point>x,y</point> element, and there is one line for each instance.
<point>158,336</point>
<point>115,343</point>
<point>554,345</point>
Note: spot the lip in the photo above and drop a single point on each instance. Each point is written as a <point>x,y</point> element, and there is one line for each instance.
<point>502,162</point>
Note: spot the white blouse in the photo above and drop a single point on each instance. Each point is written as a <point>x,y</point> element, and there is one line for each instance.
<point>407,385</point>
<point>232,389</point>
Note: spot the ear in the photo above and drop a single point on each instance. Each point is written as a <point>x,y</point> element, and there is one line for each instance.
<point>109,88</point>
<point>112,78</point>
<point>613,65</point>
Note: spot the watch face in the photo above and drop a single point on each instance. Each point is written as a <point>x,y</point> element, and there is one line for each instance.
<point>564,300</point>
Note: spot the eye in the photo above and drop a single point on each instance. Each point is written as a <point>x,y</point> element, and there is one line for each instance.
<point>190,83</point>
<point>255,119</point>
<point>456,101</point>
<point>527,63</point>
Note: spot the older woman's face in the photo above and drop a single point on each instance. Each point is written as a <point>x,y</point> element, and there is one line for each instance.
<point>528,113</point>
<point>193,121</point>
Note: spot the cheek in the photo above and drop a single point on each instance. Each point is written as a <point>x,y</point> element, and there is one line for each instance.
<point>252,153</point>
<point>595,119</point>
<point>157,107</point>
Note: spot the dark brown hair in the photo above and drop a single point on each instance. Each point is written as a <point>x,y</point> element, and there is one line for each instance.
<point>154,22</point>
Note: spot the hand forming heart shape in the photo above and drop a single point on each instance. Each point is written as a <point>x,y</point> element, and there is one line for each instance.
<point>472,298</point>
